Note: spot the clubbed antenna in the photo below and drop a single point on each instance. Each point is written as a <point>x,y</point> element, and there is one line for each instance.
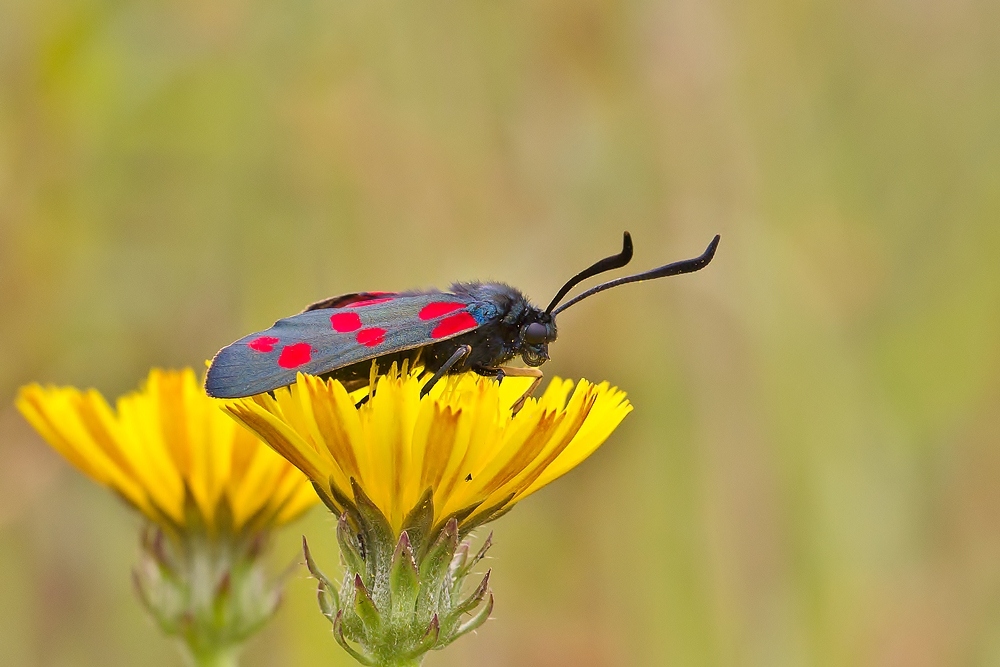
<point>606,264</point>
<point>676,268</point>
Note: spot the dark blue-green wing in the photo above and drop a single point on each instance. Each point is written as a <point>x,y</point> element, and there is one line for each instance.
<point>336,333</point>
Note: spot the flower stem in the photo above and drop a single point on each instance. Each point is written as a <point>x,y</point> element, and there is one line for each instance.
<point>404,662</point>
<point>223,657</point>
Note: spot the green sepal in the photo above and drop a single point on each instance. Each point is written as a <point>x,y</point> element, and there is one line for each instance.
<point>485,516</point>
<point>151,541</point>
<point>477,558</point>
<point>346,504</point>
<point>473,600</point>
<point>404,582</point>
<point>209,590</point>
<point>459,561</point>
<point>459,516</point>
<point>419,521</point>
<point>364,606</point>
<point>327,499</point>
<point>338,634</point>
<point>475,621</point>
<point>376,533</point>
<point>312,567</point>
<point>220,601</point>
<point>396,604</point>
<point>350,548</point>
<point>222,517</point>
<point>440,553</point>
<point>326,593</point>
<point>428,641</point>
<point>329,603</point>
<point>168,626</point>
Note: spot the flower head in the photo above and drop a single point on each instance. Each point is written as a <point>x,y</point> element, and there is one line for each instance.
<point>409,476</point>
<point>210,490</point>
<point>462,442</point>
<point>171,453</point>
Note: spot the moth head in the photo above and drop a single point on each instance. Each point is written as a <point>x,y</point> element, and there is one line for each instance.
<point>535,339</point>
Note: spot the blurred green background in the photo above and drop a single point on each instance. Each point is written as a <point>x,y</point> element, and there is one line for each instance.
<point>812,472</point>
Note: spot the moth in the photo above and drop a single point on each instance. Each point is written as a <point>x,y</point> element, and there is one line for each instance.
<point>478,326</point>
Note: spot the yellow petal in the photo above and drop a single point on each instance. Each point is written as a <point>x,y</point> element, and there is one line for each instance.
<point>165,443</point>
<point>461,440</point>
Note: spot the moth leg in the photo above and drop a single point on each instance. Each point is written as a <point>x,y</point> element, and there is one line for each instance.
<point>514,372</point>
<point>371,385</point>
<point>461,353</point>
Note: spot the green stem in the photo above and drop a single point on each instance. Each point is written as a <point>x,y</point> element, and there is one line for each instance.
<point>403,662</point>
<point>223,657</point>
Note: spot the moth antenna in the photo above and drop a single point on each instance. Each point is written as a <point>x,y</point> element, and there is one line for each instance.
<point>606,264</point>
<point>673,269</point>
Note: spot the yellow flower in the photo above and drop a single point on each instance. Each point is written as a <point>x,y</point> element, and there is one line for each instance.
<point>462,442</point>
<point>171,453</point>
<point>410,476</point>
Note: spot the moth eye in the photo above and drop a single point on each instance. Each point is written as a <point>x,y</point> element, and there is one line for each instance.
<point>535,333</point>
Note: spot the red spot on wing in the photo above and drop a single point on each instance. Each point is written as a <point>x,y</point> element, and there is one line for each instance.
<point>371,336</point>
<point>438,308</point>
<point>454,324</point>
<point>263,343</point>
<point>293,356</point>
<point>345,322</point>
<point>369,302</point>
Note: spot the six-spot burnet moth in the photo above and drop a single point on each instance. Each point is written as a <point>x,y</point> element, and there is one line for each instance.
<point>475,326</point>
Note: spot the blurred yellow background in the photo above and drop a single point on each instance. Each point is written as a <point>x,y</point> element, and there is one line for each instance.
<point>811,475</point>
